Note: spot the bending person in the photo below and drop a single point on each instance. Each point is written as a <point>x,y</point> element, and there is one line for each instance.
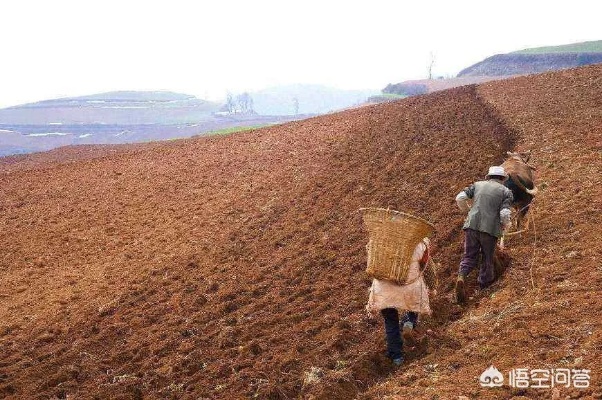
<point>487,218</point>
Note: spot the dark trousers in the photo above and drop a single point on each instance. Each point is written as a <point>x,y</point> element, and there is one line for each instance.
<point>393,331</point>
<point>476,243</point>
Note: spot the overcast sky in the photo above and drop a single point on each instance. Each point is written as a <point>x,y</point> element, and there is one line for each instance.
<point>60,48</point>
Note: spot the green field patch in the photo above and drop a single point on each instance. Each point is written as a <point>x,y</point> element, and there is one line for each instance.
<point>393,95</point>
<point>583,47</point>
<point>227,131</point>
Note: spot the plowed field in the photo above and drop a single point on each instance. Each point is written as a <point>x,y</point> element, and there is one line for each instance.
<point>233,267</point>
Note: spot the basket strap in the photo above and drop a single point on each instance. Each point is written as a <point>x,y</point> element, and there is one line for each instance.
<point>426,265</point>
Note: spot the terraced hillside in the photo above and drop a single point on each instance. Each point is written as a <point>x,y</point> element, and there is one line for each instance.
<point>232,267</point>
<point>536,60</point>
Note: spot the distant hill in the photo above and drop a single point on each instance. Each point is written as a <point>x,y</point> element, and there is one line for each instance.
<point>115,117</point>
<point>124,108</point>
<point>537,60</point>
<point>140,96</point>
<point>311,99</point>
<point>500,66</point>
<point>131,116</point>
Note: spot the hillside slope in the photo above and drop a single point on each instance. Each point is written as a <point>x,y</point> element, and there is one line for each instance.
<point>528,63</point>
<point>594,46</point>
<point>115,118</point>
<point>502,66</point>
<point>424,86</point>
<point>112,108</point>
<point>545,312</point>
<point>232,267</point>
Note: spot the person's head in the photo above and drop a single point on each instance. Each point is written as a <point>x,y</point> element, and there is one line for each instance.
<point>497,172</point>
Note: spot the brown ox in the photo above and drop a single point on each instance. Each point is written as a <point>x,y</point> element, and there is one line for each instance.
<point>521,182</point>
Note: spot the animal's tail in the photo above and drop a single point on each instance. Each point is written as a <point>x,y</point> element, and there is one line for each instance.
<point>533,191</point>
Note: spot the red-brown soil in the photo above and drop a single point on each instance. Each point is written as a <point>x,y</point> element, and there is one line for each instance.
<point>545,312</point>
<point>233,267</point>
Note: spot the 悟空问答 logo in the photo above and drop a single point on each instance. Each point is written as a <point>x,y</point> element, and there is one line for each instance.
<point>491,377</point>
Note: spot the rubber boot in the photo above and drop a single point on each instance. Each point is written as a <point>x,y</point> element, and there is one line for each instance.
<point>460,290</point>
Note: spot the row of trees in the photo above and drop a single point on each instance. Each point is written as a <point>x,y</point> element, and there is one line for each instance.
<point>241,104</point>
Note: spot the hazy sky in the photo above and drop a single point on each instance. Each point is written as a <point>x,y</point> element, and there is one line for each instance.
<point>59,48</point>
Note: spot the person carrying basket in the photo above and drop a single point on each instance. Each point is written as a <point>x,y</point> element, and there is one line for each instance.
<point>403,277</point>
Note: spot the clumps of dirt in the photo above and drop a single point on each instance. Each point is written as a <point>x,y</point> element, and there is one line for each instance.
<point>501,261</point>
<point>229,267</point>
<point>543,313</point>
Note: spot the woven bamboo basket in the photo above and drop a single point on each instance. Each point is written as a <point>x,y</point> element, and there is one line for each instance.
<point>393,236</point>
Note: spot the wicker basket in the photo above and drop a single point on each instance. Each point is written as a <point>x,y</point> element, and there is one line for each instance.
<point>393,238</point>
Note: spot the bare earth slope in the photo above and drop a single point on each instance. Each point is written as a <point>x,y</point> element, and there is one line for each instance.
<point>232,267</point>
<point>545,312</point>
